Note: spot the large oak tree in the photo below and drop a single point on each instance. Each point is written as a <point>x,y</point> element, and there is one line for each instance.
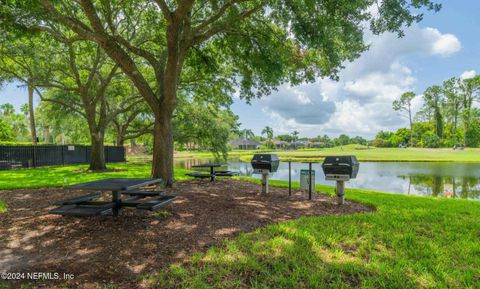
<point>251,44</point>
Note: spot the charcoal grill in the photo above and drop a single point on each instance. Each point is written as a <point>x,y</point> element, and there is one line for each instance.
<point>265,164</point>
<point>340,169</point>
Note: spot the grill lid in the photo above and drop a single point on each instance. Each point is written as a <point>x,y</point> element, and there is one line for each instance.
<point>264,158</point>
<point>340,161</point>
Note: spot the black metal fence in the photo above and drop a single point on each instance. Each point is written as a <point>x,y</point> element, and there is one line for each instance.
<point>22,156</point>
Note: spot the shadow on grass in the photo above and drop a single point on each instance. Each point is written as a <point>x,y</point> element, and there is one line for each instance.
<point>409,242</point>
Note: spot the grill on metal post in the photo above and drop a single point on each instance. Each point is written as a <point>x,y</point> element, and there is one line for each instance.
<point>340,169</point>
<point>265,164</point>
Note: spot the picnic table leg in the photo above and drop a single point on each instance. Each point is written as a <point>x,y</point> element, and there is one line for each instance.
<point>212,177</point>
<point>116,200</point>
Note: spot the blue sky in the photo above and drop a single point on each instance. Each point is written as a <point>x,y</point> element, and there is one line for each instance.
<point>443,45</point>
<point>428,55</point>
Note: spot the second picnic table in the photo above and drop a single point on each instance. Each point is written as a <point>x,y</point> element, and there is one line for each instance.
<point>212,168</point>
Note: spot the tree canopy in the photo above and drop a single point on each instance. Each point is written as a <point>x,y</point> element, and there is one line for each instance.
<point>166,47</point>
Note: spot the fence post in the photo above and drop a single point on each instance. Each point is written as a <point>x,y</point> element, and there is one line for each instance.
<point>63,155</point>
<point>34,161</point>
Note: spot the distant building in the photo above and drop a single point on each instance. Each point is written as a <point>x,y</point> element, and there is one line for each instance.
<point>245,144</point>
<point>280,144</point>
<point>316,144</point>
<point>296,145</point>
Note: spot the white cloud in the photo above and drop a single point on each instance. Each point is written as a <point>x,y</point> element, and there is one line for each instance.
<point>468,74</point>
<point>442,44</point>
<point>361,102</point>
<point>302,104</point>
<point>381,87</point>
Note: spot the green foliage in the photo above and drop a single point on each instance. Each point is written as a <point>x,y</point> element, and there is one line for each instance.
<point>430,140</point>
<point>472,135</point>
<point>254,46</point>
<point>448,113</point>
<point>205,126</point>
<point>6,132</point>
<point>433,99</point>
<point>285,137</point>
<point>405,102</point>
<point>392,139</point>
<point>14,124</point>
<point>64,125</point>
<point>268,131</point>
<point>163,214</point>
<point>342,140</point>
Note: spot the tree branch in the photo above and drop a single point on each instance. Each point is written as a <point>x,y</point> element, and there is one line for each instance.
<point>224,26</point>
<point>165,10</point>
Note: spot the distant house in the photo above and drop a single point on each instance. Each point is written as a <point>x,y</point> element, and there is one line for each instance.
<point>245,144</point>
<point>316,144</point>
<point>296,145</point>
<point>280,144</point>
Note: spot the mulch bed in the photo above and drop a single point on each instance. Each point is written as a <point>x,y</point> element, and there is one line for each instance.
<point>104,250</point>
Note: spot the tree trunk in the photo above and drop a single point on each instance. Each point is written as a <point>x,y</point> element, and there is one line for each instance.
<point>46,133</point>
<point>466,126</point>
<point>411,124</point>
<point>162,166</point>
<point>120,140</point>
<point>31,113</point>
<point>97,154</point>
<point>438,123</point>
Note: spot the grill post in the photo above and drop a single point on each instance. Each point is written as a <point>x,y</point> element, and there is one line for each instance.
<point>289,178</point>
<point>309,181</point>
<point>265,164</point>
<point>265,183</point>
<point>340,190</point>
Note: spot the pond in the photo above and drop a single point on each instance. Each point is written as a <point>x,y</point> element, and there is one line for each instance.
<point>438,179</point>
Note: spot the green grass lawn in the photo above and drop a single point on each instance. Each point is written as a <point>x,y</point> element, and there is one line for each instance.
<point>362,153</point>
<point>408,242</point>
<point>57,176</point>
<point>387,154</point>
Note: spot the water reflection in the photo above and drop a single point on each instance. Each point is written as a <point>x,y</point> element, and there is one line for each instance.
<point>451,180</point>
<point>450,187</point>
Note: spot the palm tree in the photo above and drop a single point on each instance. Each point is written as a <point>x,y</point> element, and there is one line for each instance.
<point>247,134</point>
<point>268,131</point>
<point>295,134</point>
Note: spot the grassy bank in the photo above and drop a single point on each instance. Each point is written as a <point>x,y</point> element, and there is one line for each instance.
<point>362,153</point>
<point>408,242</point>
<point>387,154</point>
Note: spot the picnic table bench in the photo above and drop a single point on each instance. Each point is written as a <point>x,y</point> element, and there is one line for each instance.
<point>213,173</point>
<point>87,205</point>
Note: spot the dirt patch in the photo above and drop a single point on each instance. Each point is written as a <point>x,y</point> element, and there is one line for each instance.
<point>105,250</point>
